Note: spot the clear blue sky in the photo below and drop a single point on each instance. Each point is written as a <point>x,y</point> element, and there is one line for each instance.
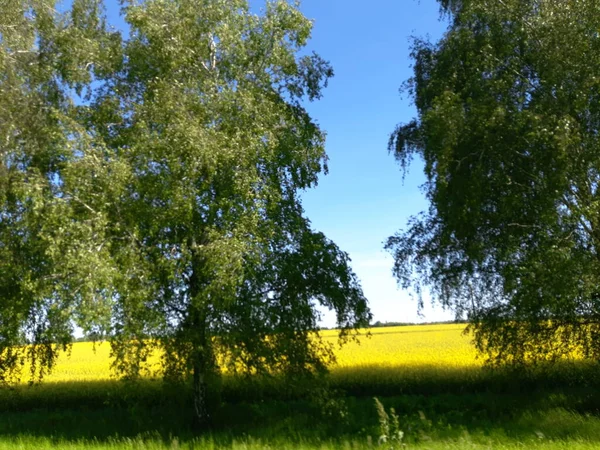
<point>363,199</point>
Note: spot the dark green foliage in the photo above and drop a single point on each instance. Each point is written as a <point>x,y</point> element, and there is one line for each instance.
<point>508,129</point>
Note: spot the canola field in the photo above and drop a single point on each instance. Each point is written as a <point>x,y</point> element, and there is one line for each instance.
<point>407,349</point>
<point>409,346</point>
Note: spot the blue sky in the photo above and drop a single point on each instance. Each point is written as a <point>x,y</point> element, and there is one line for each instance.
<point>363,200</point>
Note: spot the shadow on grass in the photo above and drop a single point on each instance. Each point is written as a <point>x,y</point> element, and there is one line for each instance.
<point>562,402</point>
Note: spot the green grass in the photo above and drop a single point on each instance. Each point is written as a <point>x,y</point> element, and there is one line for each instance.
<point>556,409</point>
<point>28,443</point>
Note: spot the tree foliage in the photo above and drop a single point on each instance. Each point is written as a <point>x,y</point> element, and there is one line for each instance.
<point>149,188</point>
<point>507,126</point>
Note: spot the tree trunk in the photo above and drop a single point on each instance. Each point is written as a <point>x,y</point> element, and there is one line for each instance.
<point>201,366</point>
<point>200,391</point>
<point>201,352</point>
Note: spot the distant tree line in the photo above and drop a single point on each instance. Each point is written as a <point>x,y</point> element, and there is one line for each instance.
<point>380,324</point>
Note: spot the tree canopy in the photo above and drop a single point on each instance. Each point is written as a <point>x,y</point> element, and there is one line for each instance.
<point>507,126</point>
<point>149,185</point>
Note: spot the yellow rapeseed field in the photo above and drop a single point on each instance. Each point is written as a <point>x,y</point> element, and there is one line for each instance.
<point>419,345</point>
<point>406,348</point>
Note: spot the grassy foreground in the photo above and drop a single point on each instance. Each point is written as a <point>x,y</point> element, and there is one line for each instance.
<point>138,444</point>
<point>443,397</point>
